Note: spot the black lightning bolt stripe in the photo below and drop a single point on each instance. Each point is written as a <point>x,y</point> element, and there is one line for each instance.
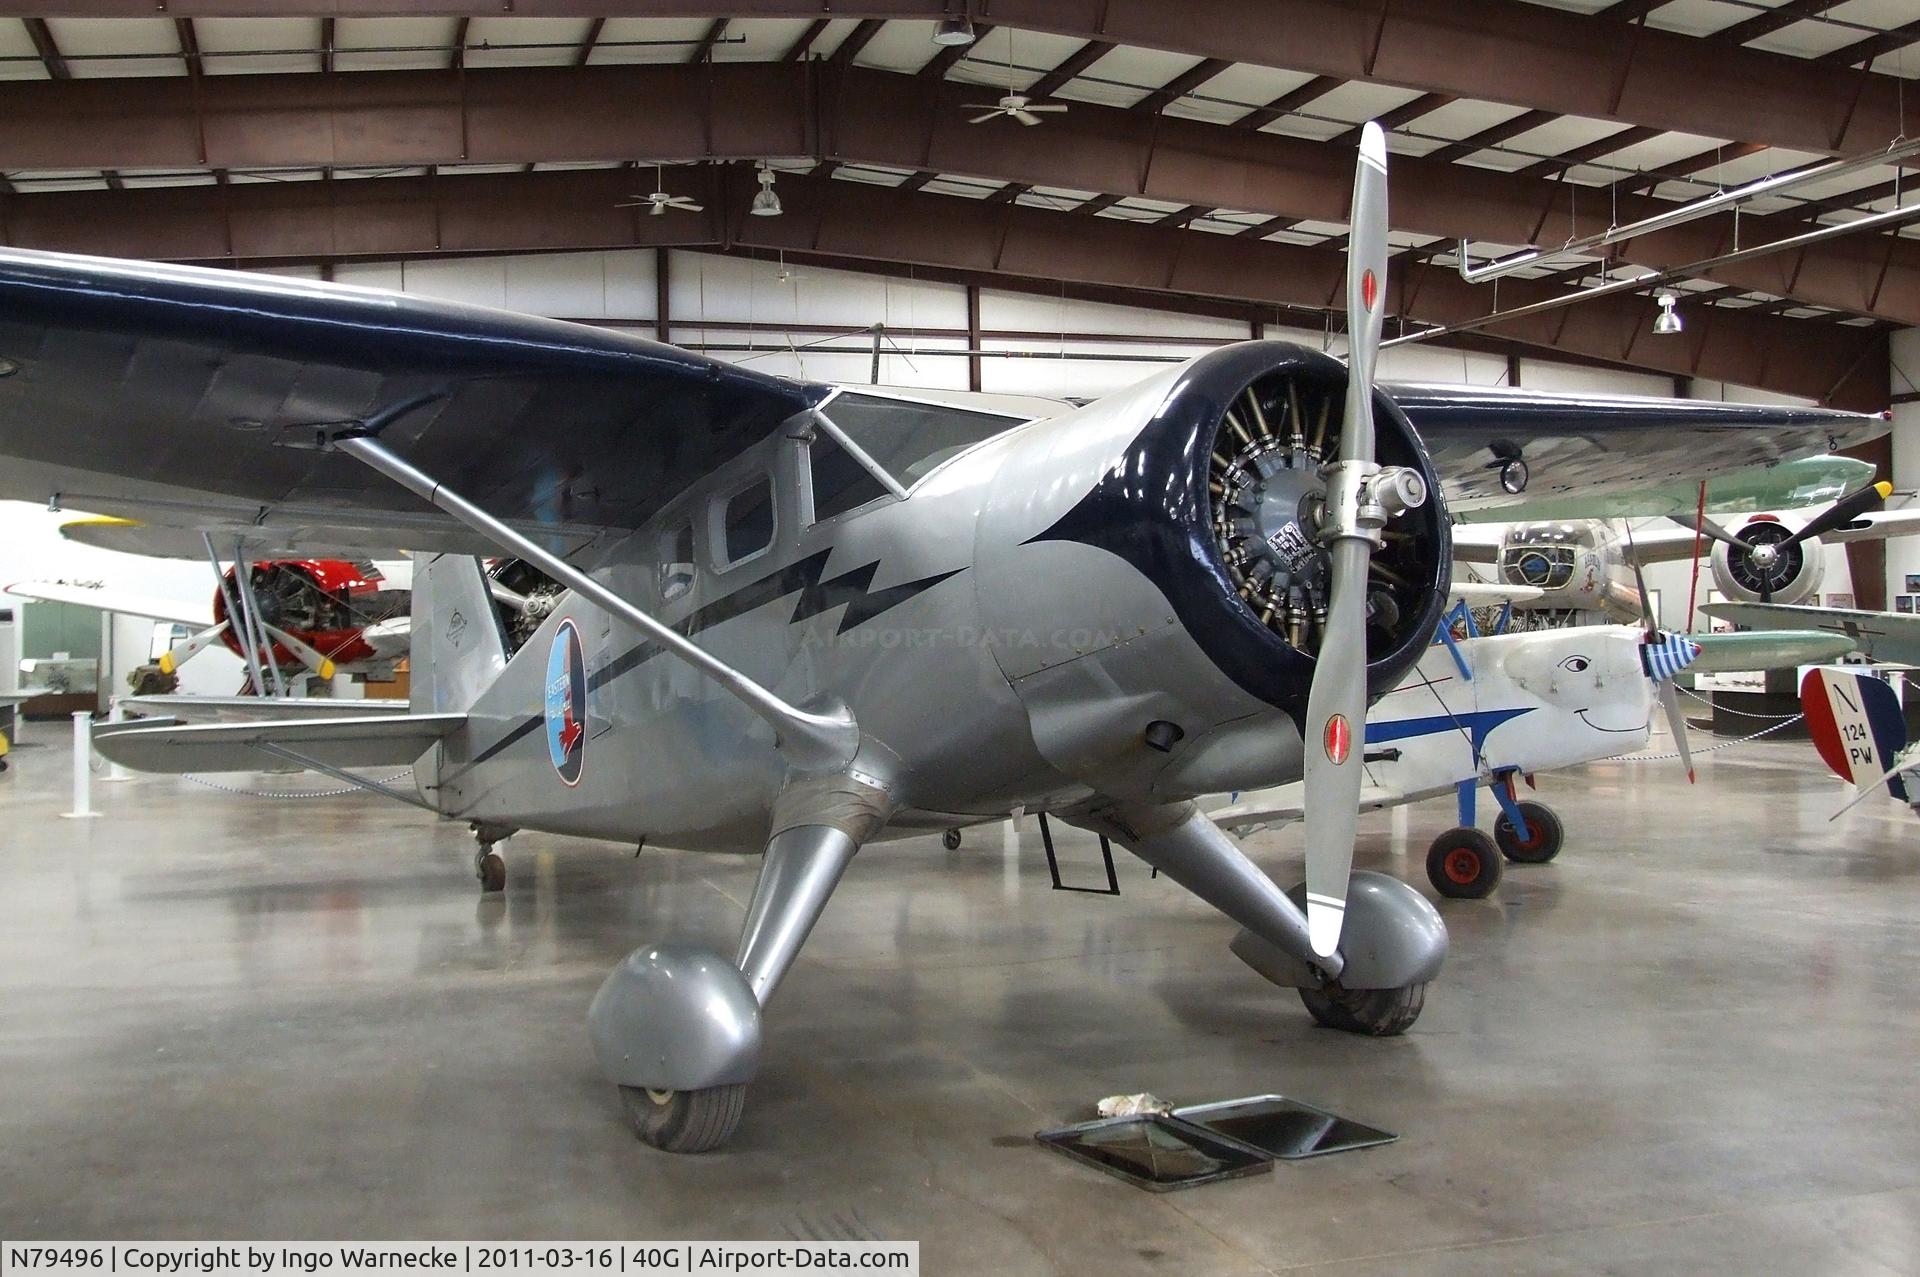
<point>802,577</point>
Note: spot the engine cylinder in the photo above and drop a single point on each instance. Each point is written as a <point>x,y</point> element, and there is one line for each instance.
<point>1768,570</point>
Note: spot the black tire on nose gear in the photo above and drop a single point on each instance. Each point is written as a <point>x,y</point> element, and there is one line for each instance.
<point>951,840</point>
<point>685,1121</point>
<point>490,867</point>
<point>1546,834</point>
<point>1380,1013</point>
<point>1463,865</point>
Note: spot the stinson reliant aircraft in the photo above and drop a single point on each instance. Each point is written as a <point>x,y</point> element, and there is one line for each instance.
<point>802,617</point>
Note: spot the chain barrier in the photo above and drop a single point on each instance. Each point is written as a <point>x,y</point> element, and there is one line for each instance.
<point>1737,713</point>
<point>1714,749</point>
<point>288,793</point>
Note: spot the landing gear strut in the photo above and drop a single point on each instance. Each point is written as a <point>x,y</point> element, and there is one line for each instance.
<point>677,1027</point>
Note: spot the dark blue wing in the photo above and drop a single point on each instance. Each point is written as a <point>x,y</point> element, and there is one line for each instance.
<point>130,386</point>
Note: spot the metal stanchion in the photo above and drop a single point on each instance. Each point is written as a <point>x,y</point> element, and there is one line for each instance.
<point>82,767</point>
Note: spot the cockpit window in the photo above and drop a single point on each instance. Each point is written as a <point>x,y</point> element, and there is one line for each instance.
<point>1546,567</point>
<point>908,439</point>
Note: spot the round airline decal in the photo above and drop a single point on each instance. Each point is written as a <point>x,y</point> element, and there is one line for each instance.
<point>566,703</point>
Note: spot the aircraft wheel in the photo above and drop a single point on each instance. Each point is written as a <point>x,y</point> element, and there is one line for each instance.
<point>490,867</point>
<point>1462,864</point>
<point>685,1121</point>
<point>951,840</point>
<point>1380,1013</point>
<point>1545,828</point>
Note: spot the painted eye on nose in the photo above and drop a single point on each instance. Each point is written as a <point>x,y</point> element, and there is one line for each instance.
<point>1575,664</point>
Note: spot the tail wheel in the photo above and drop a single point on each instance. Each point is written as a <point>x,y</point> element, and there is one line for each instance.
<point>1379,1013</point>
<point>1544,830</point>
<point>1462,864</point>
<point>685,1121</point>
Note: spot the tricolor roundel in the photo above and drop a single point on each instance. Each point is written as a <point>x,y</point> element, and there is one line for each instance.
<point>566,703</point>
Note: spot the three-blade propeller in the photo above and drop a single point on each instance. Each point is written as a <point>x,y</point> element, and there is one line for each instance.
<point>1337,701</point>
<point>1839,514</point>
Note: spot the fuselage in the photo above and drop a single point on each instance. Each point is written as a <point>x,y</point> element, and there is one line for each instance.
<point>1006,635</point>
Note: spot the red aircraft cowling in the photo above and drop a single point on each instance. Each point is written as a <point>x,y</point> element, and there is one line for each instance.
<point>325,603</point>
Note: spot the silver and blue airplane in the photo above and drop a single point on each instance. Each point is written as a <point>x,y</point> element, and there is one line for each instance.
<point>789,618</point>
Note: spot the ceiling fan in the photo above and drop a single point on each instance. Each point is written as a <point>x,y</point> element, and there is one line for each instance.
<point>1015,105</point>
<point>659,202</point>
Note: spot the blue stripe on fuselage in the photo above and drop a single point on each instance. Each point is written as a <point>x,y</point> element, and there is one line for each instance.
<point>1478,722</point>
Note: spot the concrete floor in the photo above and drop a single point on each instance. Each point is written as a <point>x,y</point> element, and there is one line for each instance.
<point>1689,1045</point>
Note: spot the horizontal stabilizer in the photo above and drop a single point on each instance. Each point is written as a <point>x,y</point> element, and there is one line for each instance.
<point>256,709</point>
<point>394,740</point>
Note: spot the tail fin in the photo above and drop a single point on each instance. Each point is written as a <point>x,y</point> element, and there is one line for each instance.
<point>1856,724</point>
<point>458,648</point>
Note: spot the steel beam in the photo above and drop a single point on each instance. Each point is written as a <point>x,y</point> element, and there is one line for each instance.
<point>1503,50</point>
<point>530,212</point>
<point>855,115</point>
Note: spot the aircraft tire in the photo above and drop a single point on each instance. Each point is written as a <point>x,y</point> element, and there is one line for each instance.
<point>951,840</point>
<point>685,1121</point>
<point>1379,1013</point>
<point>1548,835</point>
<point>1462,864</point>
<point>490,867</point>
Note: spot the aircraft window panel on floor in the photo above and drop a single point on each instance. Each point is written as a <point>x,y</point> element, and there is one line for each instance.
<point>907,438</point>
<point>748,521</point>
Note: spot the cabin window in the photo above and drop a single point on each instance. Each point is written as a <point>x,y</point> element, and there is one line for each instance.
<point>908,439</point>
<point>840,483</point>
<point>748,521</point>
<point>676,562</point>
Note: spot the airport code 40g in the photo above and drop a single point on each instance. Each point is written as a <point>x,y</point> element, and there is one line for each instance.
<point>307,1259</point>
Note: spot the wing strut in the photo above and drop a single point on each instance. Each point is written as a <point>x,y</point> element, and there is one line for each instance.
<point>813,740</point>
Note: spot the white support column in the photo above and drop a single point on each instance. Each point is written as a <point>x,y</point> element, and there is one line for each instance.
<point>82,767</point>
<point>1903,553</point>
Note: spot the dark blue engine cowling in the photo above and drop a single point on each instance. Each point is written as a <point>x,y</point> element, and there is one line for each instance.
<point>1155,509</point>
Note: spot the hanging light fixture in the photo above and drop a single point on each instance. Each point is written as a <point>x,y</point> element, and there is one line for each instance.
<point>1667,322</point>
<point>765,202</point>
<point>954,29</point>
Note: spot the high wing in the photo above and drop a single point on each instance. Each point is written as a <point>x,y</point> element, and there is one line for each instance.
<point>196,398</point>
<point>1886,637</point>
<point>196,613</point>
<point>1599,445</point>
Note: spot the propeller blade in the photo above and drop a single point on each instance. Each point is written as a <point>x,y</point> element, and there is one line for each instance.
<point>1677,724</point>
<point>1025,116</point>
<point>187,648</point>
<point>1640,584</point>
<point>1337,701</point>
<point>311,657</point>
<point>982,119</point>
<point>1845,510</point>
<point>1713,530</point>
<point>659,207</point>
<point>682,202</point>
<point>1662,656</point>
<point>509,598</point>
